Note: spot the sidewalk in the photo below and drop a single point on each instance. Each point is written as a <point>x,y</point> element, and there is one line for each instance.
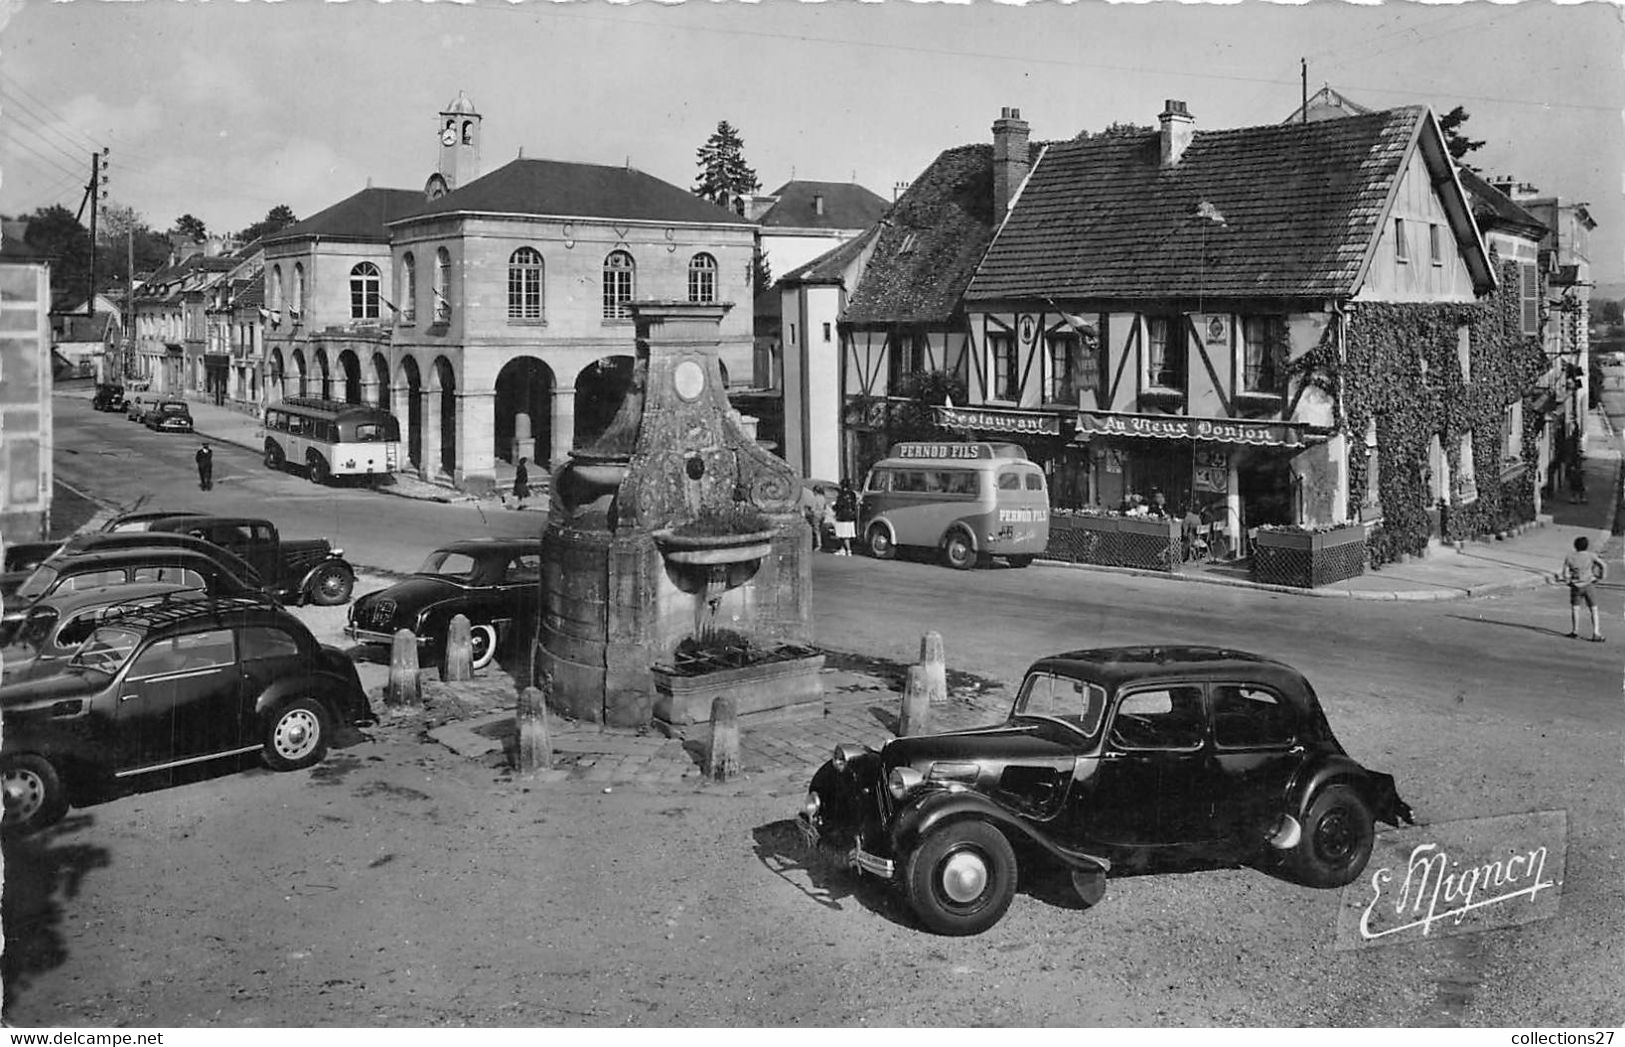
<point>230,425</point>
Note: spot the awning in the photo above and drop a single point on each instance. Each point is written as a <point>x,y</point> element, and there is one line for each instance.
<point>993,420</point>
<point>1175,427</point>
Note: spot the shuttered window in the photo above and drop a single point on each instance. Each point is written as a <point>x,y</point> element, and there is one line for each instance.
<point>1529,297</point>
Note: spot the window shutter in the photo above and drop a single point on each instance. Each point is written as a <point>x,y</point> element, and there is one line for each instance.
<point>1530,295</point>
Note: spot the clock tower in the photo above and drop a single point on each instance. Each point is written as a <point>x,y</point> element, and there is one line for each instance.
<point>458,131</point>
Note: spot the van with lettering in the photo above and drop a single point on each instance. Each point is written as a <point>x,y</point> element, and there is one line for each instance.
<point>968,501</point>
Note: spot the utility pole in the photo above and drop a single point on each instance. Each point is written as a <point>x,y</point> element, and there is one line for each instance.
<point>96,191</point>
<point>1303,75</point>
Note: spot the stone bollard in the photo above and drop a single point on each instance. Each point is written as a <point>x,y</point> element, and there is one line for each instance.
<point>916,704</point>
<point>535,745</point>
<point>458,660</point>
<point>405,689</point>
<point>722,755</point>
<point>935,666</point>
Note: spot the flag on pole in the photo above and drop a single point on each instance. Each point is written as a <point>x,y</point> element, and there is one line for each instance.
<point>392,306</point>
<point>1077,323</point>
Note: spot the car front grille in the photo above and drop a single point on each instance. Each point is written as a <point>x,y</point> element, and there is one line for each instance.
<point>382,612</point>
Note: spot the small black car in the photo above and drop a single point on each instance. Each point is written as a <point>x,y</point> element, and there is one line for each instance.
<point>494,582</point>
<point>1114,758</point>
<point>169,416</point>
<point>172,685</point>
<point>108,398</point>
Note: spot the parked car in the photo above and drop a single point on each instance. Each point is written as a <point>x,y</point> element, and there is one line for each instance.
<point>137,407</point>
<point>172,685</point>
<point>298,570</point>
<point>20,561</point>
<point>495,582</point>
<point>108,397</point>
<point>1112,758</point>
<point>186,567</point>
<point>142,519</point>
<point>54,627</point>
<point>169,416</point>
<point>102,541</point>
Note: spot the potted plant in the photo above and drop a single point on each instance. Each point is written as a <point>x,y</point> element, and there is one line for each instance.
<point>1308,556</point>
<point>722,663</point>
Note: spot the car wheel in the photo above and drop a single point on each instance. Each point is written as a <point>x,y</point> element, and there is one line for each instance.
<point>1336,843</point>
<point>1019,561</point>
<point>297,735</point>
<point>880,543</point>
<point>482,645</point>
<point>961,878</point>
<point>273,456</point>
<point>331,587</point>
<point>957,551</point>
<point>319,471</point>
<point>34,794</point>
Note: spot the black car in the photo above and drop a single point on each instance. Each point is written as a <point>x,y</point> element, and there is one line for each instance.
<point>169,416</point>
<point>108,397</point>
<point>495,582</point>
<point>188,567</point>
<point>1112,759</point>
<point>172,685</point>
<point>143,519</point>
<point>299,570</point>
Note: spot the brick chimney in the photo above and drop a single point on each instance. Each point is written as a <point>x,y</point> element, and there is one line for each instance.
<point>1010,159</point>
<point>1177,128</point>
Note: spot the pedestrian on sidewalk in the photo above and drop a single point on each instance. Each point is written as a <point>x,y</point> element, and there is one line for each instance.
<point>521,482</point>
<point>846,517</point>
<point>1577,480</point>
<point>205,468</point>
<point>817,509</point>
<point>1582,569</point>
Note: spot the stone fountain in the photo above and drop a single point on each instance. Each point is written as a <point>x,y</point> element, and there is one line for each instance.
<point>673,525</point>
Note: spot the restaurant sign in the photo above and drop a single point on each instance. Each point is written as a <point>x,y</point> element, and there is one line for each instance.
<point>995,421</point>
<point>1175,427</point>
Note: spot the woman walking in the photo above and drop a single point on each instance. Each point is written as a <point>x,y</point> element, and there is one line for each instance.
<point>846,517</point>
<point>521,483</point>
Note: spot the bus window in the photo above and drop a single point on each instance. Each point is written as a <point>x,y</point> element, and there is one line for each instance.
<point>1035,482</point>
<point>909,481</point>
<point>369,432</point>
<point>960,483</point>
<point>880,480</point>
<point>296,425</point>
<point>1009,481</point>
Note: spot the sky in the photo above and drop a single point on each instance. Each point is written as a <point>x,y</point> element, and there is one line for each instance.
<point>226,108</point>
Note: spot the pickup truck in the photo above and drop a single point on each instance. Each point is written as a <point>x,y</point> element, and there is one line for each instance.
<point>295,570</point>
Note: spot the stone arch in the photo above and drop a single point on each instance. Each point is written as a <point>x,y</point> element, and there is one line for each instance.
<point>380,375</point>
<point>299,373</point>
<point>410,389</point>
<point>276,385</point>
<point>350,371</point>
<point>444,383</point>
<point>522,422</point>
<point>323,375</point>
<point>600,388</point>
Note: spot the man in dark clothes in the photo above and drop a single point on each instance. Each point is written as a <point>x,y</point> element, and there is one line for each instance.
<point>205,468</point>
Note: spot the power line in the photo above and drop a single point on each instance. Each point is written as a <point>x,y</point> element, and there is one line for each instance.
<point>72,155</point>
<point>86,144</point>
<point>51,162</point>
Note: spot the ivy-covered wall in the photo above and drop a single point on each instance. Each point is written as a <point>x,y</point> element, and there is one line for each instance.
<point>1399,364</point>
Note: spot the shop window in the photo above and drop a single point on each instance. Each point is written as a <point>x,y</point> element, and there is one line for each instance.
<point>1001,347</point>
<point>1166,358</point>
<point>1264,352</point>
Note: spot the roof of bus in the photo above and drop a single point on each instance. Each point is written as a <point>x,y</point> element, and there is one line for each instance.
<point>335,407</point>
<point>957,450</point>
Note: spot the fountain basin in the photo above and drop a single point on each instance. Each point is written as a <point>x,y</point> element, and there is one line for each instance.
<point>713,549</point>
<point>790,684</point>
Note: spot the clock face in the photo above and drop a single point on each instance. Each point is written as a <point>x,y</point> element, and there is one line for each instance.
<point>449,136</point>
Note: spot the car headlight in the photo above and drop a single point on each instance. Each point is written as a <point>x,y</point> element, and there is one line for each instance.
<point>811,805</point>
<point>953,771</point>
<point>845,754</point>
<point>902,780</point>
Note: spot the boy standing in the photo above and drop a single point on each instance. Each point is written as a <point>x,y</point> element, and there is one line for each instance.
<point>1582,569</point>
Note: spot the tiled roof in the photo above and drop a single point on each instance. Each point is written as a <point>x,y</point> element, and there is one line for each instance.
<point>83,328</point>
<point>250,294</point>
<point>556,187</point>
<point>1299,203</point>
<point>1495,209</point>
<point>360,217</point>
<point>846,206</point>
<point>929,242</point>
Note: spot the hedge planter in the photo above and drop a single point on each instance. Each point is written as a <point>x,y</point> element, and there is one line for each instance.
<point>683,699</point>
<point>1306,559</point>
<point>1149,543</point>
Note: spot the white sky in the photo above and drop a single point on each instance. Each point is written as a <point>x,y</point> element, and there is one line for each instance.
<point>224,109</point>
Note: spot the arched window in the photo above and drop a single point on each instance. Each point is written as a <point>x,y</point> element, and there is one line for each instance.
<point>296,308</point>
<point>409,288</point>
<point>618,280</point>
<point>525,284</point>
<point>276,288</point>
<point>442,285</point>
<point>364,291</point>
<point>702,278</point>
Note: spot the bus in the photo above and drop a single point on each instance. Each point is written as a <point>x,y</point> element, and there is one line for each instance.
<point>967,501</point>
<point>331,438</point>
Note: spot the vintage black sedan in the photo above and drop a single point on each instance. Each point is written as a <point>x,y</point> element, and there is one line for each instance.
<point>1112,760</point>
<point>494,582</point>
<point>177,684</point>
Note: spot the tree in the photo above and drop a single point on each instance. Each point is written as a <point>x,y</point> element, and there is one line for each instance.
<point>1455,139</point>
<point>193,227</point>
<point>761,273</point>
<point>55,232</point>
<point>279,217</point>
<point>725,178</point>
<point>1116,128</point>
<point>124,232</point>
